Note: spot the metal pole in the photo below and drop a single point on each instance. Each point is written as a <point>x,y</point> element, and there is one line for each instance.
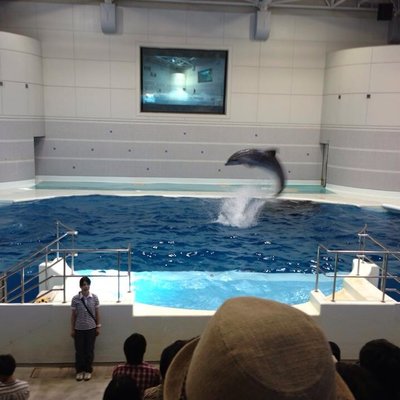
<point>335,277</point>
<point>23,286</point>
<point>119,276</point>
<point>46,265</point>
<point>64,280</point>
<point>58,237</point>
<point>318,266</point>
<point>361,241</point>
<point>5,289</point>
<point>3,296</point>
<point>324,171</point>
<point>384,277</point>
<point>73,254</point>
<point>129,267</point>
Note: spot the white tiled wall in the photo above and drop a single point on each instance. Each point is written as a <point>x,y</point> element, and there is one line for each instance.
<point>60,101</point>
<point>385,77</point>
<point>21,76</point>
<point>355,74</point>
<point>21,96</point>
<point>77,54</point>
<point>274,87</point>
<point>361,116</point>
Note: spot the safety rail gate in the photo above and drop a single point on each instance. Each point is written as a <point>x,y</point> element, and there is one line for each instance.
<point>362,254</point>
<point>29,281</point>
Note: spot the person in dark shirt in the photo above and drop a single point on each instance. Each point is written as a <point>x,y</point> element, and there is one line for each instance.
<point>122,388</point>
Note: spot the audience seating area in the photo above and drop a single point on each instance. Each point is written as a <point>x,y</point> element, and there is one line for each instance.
<point>371,377</point>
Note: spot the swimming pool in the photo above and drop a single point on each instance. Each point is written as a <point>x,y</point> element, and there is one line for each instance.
<point>195,234</point>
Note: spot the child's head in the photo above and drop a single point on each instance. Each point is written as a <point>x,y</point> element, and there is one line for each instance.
<point>7,366</point>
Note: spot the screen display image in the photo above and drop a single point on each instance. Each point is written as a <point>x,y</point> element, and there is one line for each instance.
<point>183,80</point>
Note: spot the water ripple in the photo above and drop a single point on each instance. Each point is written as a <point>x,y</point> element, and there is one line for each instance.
<point>182,234</point>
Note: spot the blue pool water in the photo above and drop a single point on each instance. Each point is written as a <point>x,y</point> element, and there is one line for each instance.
<point>201,290</point>
<point>195,234</point>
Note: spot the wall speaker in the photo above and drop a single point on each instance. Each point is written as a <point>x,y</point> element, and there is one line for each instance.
<point>394,31</point>
<point>108,18</point>
<point>385,11</point>
<point>262,25</point>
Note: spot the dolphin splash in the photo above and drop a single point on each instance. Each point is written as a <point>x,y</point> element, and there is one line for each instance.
<point>259,158</point>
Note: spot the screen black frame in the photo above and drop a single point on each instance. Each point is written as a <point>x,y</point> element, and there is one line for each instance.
<point>182,108</point>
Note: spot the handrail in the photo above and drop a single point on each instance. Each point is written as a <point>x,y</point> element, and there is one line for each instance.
<point>18,266</point>
<point>71,231</point>
<point>86,250</point>
<point>32,281</point>
<point>361,254</point>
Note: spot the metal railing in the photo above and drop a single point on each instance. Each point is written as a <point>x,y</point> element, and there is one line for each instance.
<point>362,254</point>
<point>31,277</point>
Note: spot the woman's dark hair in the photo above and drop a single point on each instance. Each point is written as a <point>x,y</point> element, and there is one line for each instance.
<point>84,279</point>
<point>122,388</point>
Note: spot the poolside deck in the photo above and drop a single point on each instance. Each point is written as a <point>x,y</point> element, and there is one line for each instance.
<point>343,195</point>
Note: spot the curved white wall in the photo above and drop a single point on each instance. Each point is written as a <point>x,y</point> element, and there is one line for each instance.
<point>21,105</point>
<point>91,89</point>
<point>361,117</point>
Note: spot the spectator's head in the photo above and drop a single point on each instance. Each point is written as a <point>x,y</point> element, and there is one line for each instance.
<point>122,388</point>
<point>361,382</point>
<point>258,349</point>
<point>134,348</point>
<point>168,355</point>
<point>335,350</point>
<point>382,358</point>
<point>7,366</point>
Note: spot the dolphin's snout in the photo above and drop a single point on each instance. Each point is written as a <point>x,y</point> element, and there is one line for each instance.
<point>232,162</point>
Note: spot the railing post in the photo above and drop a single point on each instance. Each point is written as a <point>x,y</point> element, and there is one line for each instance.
<point>384,276</point>
<point>361,244</point>
<point>129,267</point>
<point>119,276</point>
<point>58,238</point>
<point>73,254</point>
<point>23,285</point>
<point>318,267</point>
<point>64,280</point>
<point>46,272</point>
<point>3,297</point>
<point>335,277</point>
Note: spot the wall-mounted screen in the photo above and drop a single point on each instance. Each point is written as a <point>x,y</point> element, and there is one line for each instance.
<point>183,80</point>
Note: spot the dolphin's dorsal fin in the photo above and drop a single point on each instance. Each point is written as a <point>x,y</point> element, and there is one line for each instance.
<point>270,153</point>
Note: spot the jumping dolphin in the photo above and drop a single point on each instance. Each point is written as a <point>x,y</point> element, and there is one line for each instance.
<point>259,158</point>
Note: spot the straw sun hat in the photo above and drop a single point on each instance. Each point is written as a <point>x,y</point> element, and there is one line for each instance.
<point>253,349</point>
